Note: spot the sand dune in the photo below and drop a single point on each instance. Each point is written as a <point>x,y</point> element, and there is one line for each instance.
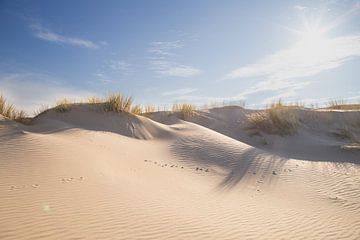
<point>87,174</point>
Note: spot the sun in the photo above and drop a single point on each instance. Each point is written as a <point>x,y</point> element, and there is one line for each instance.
<point>312,43</point>
<point>312,36</point>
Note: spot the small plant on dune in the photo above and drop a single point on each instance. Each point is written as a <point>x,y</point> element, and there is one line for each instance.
<point>118,103</point>
<point>277,119</point>
<point>6,109</point>
<point>63,105</point>
<point>95,100</point>
<point>149,109</point>
<point>137,109</point>
<point>342,105</point>
<point>42,109</point>
<point>21,117</point>
<point>349,133</point>
<point>185,110</point>
<point>9,111</point>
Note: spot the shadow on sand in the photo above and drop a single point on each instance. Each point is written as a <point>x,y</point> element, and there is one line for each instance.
<point>234,158</point>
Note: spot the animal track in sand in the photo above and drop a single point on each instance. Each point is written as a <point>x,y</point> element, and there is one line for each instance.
<point>65,180</point>
<point>174,165</point>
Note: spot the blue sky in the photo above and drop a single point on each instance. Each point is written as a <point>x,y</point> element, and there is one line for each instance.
<point>163,52</point>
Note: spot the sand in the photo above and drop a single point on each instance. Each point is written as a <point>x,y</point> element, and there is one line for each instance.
<point>86,174</point>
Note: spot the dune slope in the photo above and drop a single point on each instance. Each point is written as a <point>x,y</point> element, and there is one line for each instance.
<point>92,175</point>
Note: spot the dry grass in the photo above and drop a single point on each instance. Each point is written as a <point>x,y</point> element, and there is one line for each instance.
<point>137,109</point>
<point>118,103</point>
<point>42,109</point>
<point>278,119</point>
<point>9,111</point>
<point>6,109</point>
<point>342,105</point>
<point>184,109</point>
<point>95,100</point>
<point>349,133</point>
<point>63,105</point>
<point>150,109</point>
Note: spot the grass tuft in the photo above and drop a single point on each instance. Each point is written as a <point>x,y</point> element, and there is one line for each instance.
<point>118,103</point>
<point>150,109</point>
<point>95,100</point>
<point>63,105</point>
<point>278,119</point>
<point>42,109</point>
<point>342,105</point>
<point>10,112</point>
<point>185,109</point>
<point>137,109</point>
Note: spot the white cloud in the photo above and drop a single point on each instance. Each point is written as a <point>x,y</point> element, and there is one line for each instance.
<point>179,91</point>
<point>287,95</point>
<point>300,7</point>
<point>162,60</point>
<point>103,78</point>
<point>29,91</point>
<point>166,68</point>
<point>113,71</point>
<point>104,43</point>
<point>164,48</point>
<point>122,66</point>
<point>47,35</point>
<point>281,69</point>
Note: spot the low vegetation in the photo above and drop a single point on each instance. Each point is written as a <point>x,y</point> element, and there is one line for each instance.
<point>149,109</point>
<point>63,105</point>
<point>342,105</point>
<point>42,109</point>
<point>95,100</point>
<point>349,133</point>
<point>184,109</point>
<point>9,111</point>
<point>137,110</point>
<point>277,119</point>
<point>118,103</point>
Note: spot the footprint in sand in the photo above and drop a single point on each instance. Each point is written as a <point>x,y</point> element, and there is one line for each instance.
<point>202,169</point>
<point>35,185</point>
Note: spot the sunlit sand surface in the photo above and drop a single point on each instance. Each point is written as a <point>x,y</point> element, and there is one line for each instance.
<point>87,174</point>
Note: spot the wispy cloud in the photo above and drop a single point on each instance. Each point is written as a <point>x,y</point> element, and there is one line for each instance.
<point>180,91</point>
<point>103,78</point>
<point>164,48</point>
<point>281,69</point>
<point>300,7</point>
<point>122,66</point>
<point>170,69</point>
<point>113,71</point>
<point>162,60</point>
<point>47,35</point>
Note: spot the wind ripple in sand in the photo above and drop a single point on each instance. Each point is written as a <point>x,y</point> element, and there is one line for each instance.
<point>236,158</point>
<point>115,202</point>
